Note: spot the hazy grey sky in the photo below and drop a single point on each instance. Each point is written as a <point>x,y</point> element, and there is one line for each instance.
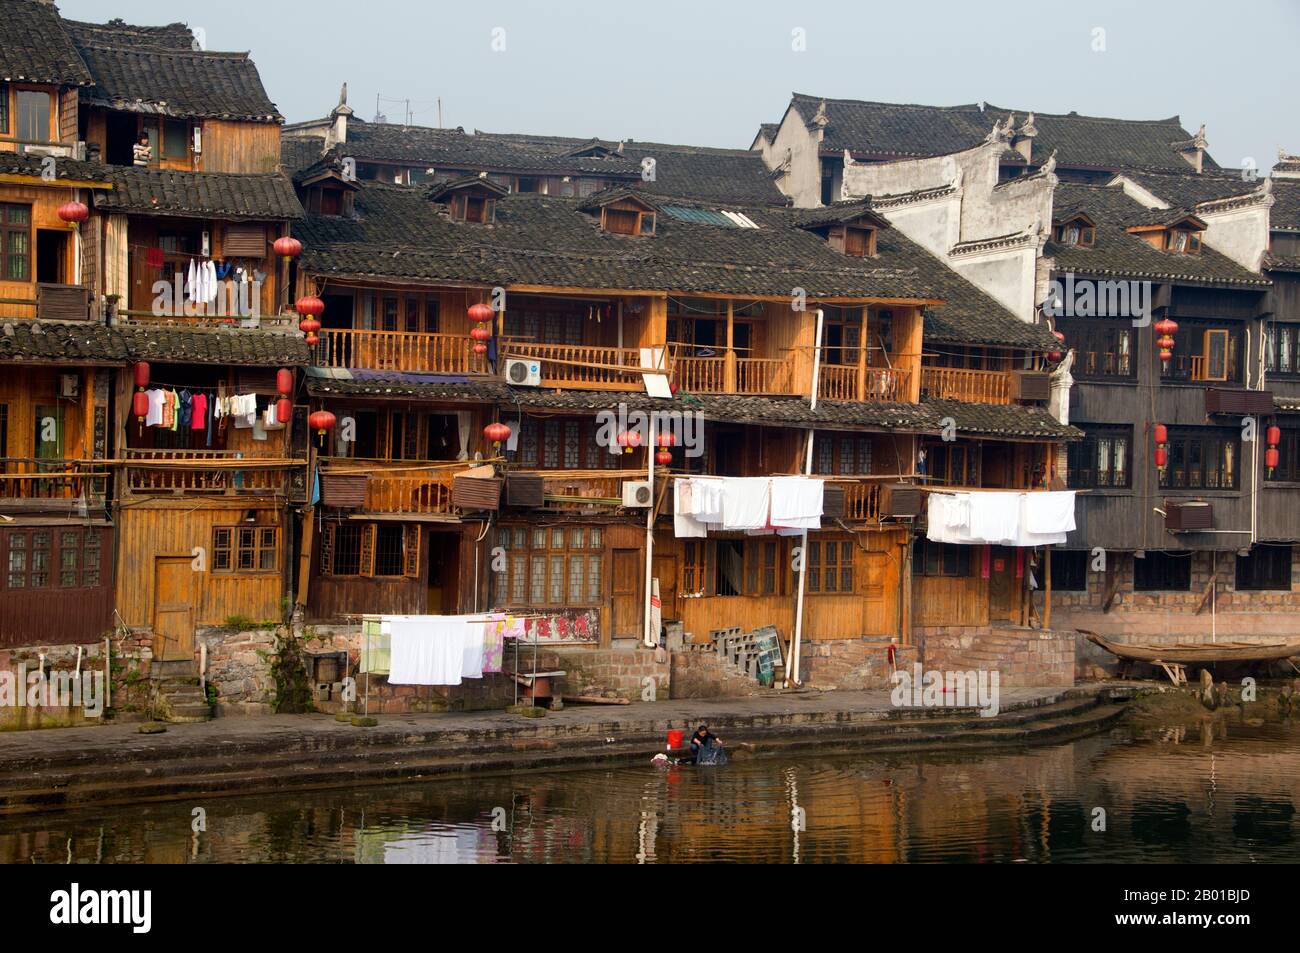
<point>709,71</point>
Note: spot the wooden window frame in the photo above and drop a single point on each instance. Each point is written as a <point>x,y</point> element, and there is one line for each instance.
<point>1069,569</point>
<point>1083,457</point>
<point>523,560</point>
<point>5,92</point>
<point>943,560</point>
<point>8,229</point>
<point>231,543</point>
<point>1288,468</point>
<point>1250,577</point>
<point>1099,348</point>
<point>1278,334</point>
<point>1221,444</point>
<point>1160,569</point>
<point>17,121</point>
<point>56,551</point>
<point>368,534</point>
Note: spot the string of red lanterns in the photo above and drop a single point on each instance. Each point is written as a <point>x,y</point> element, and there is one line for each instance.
<point>311,308</point>
<point>140,400</point>
<point>480,314</point>
<point>1272,457</point>
<point>1166,328</point>
<point>283,387</point>
<point>1161,433</point>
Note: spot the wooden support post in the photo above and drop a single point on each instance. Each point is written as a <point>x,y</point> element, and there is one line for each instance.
<point>729,370</point>
<point>304,556</point>
<point>863,341</point>
<point>1047,587</point>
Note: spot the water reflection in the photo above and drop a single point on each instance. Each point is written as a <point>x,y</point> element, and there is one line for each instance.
<point>1179,794</point>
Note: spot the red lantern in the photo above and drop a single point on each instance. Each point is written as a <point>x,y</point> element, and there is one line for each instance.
<point>1273,435</point>
<point>310,306</point>
<point>141,374</point>
<point>140,405</point>
<point>1272,457</point>
<point>283,410</point>
<point>498,433</point>
<point>73,212</point>
<point>663,458</point>
<point>629,439</point>
<point>480,348</point>
<point>480,313</point>
<point>665,439</point>
<point>1166,327</point>
<point>321,421</point>
<point>312,340</point>
<point>287,247</point>
<point>284,382</point>
<point>1054,356</point>
<point>1162,457</point>
<point>309,326</point>
<point>1161,433</point>
<point>481,333</point>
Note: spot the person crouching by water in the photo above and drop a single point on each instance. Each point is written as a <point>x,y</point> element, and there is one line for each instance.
<point>706,747</point>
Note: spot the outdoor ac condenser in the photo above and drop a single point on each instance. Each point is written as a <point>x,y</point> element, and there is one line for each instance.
<point>523,373</point>
<point>637,493</point>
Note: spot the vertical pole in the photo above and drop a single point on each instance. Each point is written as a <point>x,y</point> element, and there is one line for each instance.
<point>650,639</point>
<point>792,670</point>
<point>1047,590</point>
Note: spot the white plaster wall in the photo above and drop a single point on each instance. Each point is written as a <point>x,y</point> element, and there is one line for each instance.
<point>1239,233</point>
<point>1005,276</point>
<point>803,183</point>
<point>934,225</point>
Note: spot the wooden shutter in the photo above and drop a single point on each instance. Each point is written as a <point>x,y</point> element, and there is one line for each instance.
<point>327,549</point>
<point>244,241</point>
<point>367,561</point>
<point>412,550</point>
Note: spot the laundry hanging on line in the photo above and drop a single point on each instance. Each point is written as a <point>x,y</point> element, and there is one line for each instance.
<point>784,505</point>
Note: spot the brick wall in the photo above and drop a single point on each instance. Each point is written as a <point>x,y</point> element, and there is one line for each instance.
<point>618,670</point>
<point>851,664</point>
<point>1022,657</point>
<point>1149,616</point>
<point>701,674</point>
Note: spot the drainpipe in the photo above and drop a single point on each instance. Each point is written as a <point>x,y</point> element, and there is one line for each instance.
<point>792,671</point>
<point>650,639</point>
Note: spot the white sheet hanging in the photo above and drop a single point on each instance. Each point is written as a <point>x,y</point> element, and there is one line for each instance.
<point>746,503</point>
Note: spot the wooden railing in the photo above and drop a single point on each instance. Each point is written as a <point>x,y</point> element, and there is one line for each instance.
<point>27,478</point>
<point>701,375</point>
<point>588,366</point>
<point>50,301</point>
<point>861,501</point>
<point>399,351</point>
<point>217,472</point>
<point>888,385</point>
<point>402,487</point>
<point>838,382</point>
<point>757,375</point>
<point>972,386</point>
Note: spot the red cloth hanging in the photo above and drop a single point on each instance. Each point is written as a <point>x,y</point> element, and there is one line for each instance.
<point>153,257</point>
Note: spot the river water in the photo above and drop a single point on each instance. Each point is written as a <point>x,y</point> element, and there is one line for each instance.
<point>1201,792</point>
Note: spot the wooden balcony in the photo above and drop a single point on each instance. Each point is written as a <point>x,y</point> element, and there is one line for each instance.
<point>28,483</point>
<point>50,302</point>
<point>399,351</point>
<point>970,386</point>
<point>415,488</point>
<point>730,374</point>
<point>866,384</point>
<point>861,499</point>
<point>583,489</point>
<point>204,472</point>
<point>583,366</point>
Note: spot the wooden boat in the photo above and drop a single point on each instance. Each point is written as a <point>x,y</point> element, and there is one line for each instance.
<point>1197,653</point>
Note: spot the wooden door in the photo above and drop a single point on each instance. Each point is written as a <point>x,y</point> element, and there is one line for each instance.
<point>173,607</point>
<point>1003,605</point>
<point>626,592</point>
<point>665,570</point>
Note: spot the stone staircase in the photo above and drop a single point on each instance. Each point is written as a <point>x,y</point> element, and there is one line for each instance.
<point>178,694</point>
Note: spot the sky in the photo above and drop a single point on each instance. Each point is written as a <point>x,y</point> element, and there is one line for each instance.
<point>707,72</point>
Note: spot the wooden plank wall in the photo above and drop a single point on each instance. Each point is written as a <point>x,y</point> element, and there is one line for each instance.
<point>240,146</point>
<point>173,527</point>
<point>57,616</point>
<point>45,201</point>
<point>25,388</point>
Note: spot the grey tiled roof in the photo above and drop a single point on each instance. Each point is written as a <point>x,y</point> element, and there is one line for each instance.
<point>226,196</point>
<point>1115,252</point>
<point>14,163</point>
<point>894,129</point>
<point>1187,189</point>
<point>1003,420</point>
<point>91,342</point>
<point>1285,213</point>
<point>34,47</point>
<point>117,32</point>
<point>178,83</point>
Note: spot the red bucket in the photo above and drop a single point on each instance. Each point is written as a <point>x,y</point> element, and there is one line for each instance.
<point>676,739</point>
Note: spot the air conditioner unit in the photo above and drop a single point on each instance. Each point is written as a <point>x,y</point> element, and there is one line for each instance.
<point>524,373</point>
<point>637,493</point>
<point>69,386</point>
